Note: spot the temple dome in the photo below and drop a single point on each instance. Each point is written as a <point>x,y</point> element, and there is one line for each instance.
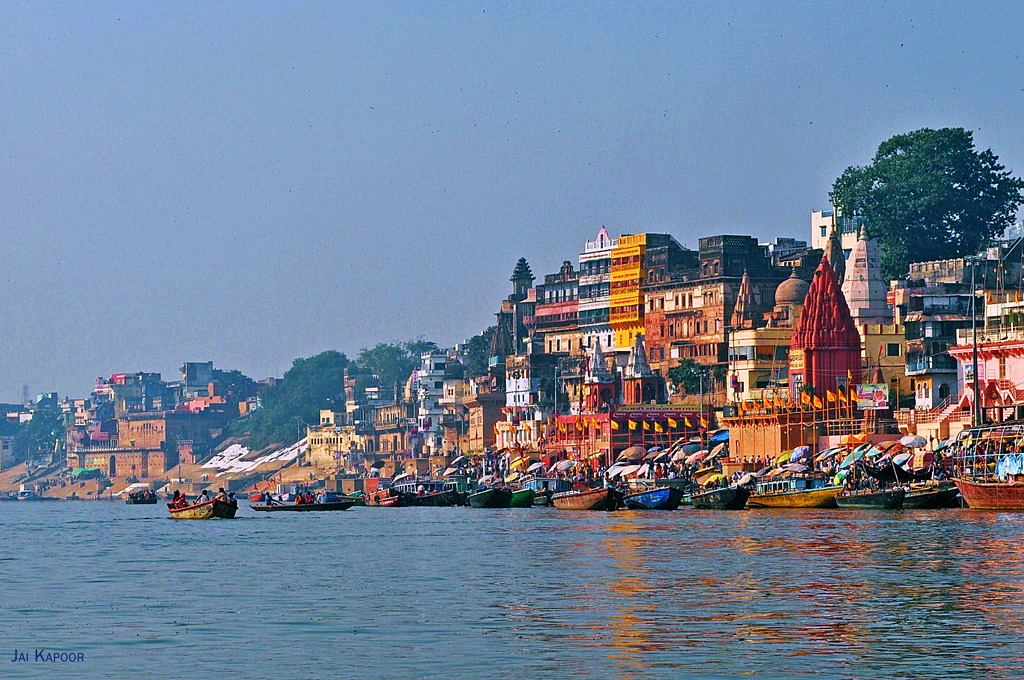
<point>792,291</point>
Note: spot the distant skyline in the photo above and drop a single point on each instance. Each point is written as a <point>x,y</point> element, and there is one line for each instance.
<point>312,177</point>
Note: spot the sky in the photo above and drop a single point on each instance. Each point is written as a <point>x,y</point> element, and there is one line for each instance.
<point>253,182</point>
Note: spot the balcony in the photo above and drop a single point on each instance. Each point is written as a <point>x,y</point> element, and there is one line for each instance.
<point>938,362</point>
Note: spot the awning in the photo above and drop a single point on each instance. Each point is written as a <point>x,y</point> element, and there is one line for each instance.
<point>535,467</point>
<point>720,436</point>
<point>512,477</point>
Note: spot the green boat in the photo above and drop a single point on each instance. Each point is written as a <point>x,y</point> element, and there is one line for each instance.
<point>522,498</point>
<point>491,498</point>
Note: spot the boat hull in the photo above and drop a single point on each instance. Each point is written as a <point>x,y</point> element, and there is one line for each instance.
<point>664,498</point>
<point>141,501</point>
<point>729,498</point>
<point>309,507</point>
<point>385,498</point>
<point>926,499</point>
<point>992,495</point>
<point>592,499</point>
<point>543,498</point>
<point>889,499</point>
<point>491,498</point>
<point>212,509</point>
<point>824,497</point>
<point>522,498</point>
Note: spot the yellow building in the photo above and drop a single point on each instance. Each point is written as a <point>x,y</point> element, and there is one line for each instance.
<point>885,346</point>
<point>626,315</point>
<point>330,443</point>
<point>759,363</point>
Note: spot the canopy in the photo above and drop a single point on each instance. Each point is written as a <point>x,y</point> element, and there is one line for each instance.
<point>564,465</point>
<point>718,476</point>
<point>519,462</point>
<point>799,452</point>
<point>460,459</point>
<point>784,457</point>
<point>717,450</point>
<point>450,471</point>
<point>632,453</point>
<point>644,469</point>
<point>398,478</point>
<point>486,479</point>
<point>902,458</point>
<point>796,467</point>
<point>679,455</point>
<point>512,477</point>
<point>377,464</point>
<point>692,447</point>
<point>913,441</point>
<point>80,470</point>
<point>535,467</point>
<point>746,479</point>
<point>826,454</point>
<point>653,449</point>
<point>622,471</point>
<point>853,439</point>
<point>720,436</point>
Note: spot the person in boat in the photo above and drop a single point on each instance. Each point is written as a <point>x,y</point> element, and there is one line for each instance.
<point>176,500</point>
<point>299,499</point>
<point>222,495</point>
<point>309,498</point>
<point>203,497</point>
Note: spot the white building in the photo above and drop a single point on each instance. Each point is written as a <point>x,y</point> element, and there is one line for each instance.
<point>429,390</point>
<point>595,290</point>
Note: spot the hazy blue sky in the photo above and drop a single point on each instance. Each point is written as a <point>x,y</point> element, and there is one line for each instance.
<point>254,182</point>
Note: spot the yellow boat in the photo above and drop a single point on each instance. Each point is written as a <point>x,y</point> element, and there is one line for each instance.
<point>211,509</point>
<point>797,492</point>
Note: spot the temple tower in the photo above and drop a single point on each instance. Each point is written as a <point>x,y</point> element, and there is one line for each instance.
<point>864,289</point>
<point>825,351</point>
<point>598,382</point>
<point>639,383</point>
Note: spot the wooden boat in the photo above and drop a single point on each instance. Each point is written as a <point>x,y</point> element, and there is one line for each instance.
<point>141,498</point>
<point>386,498</point>
<point>992,495</point>
<point>211,509</point>
<point>438,499</point>
<point>590,499</point>
<point>794,492</point>
<point>342,504</point>
<point>523,498</point>
<point>546,487</point>
<point>663,498</point>
<point>491,498</point>
<point>941,495</point>
<point>878,499</point>
<point>728,498</point>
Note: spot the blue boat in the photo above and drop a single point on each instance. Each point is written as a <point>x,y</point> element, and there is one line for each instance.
<point>663,498</point>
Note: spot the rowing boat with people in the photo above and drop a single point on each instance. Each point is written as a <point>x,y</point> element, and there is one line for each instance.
<point>341,504</point>
<point>211,509</point>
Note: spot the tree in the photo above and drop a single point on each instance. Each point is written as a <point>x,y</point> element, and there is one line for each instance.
<point>38,436</point>
<point>235,384</point>
<point>391,362</point>
<point>688,375</point>
<point>308,386</point>
<point>477,349</point>
<point>929,195</point>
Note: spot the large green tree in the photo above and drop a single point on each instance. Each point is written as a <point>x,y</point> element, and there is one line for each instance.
<point>477,349</point>
<point>311,384</point>
<point>688,376</point>
<point>929,195</point>
<point>37,438</point>
<point>391,362</point>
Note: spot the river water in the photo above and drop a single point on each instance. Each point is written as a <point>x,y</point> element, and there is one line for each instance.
<point>457,592</point>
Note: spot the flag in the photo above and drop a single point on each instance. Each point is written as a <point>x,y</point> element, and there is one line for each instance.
<point>562,428</point>
<point>817,402</point>
<point>687,421</point>
<point>842,396</point>
<point>632,424</point>
<point>805,399</point>
<point>614,424</point>
<point>739,407</point>
<point>778,402</point>
<point>703,422</point>
<point>767,404</point>
<point>849,377</point>
<point>830,395</point>
<point>672,423</point>
<point>495,428</point>
<point>658,427</point>
<point>647,425</point>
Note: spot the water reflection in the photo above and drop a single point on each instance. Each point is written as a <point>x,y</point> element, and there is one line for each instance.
<point>390,593</point>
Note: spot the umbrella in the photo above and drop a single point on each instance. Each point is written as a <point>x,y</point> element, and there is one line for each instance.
<point>696,457</point>
<point>535,467</point>
<point>400,477</point>
<point>679,455</point>
<point>848,461</point>
<point>695,440</point>
<point>851,439</point>
<point>913,441</point>
<point>653,449</point>
<point>460,459</point>
<point>902,458</point>
<point>720,436</point>
<point>718,476</point>
<point>717,450</point>
<point>377,464</point>
<point>799,452</point>
<point>632,453</point>
<point>783,458</point>
<point>691,448</point>
<point>642,472</point>
<point>487,479</point>
<point>565,464</point>
<point>796,467</point>
<point>746,479</point>
<point>450,471</point>
<point>943,444</point>
<point>661,456</point>
<point>512,477</point>
<point>922,459</point>
<point>826,454</point>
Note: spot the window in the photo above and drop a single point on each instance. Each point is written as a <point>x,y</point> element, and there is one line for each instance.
<point>892,349</point>
<point>438,384</point>
<point>823,232</point>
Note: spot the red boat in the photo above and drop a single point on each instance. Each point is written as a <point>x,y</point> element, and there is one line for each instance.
<point>385,498</point>
<point>992,495</point>
<point>591,499</point>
